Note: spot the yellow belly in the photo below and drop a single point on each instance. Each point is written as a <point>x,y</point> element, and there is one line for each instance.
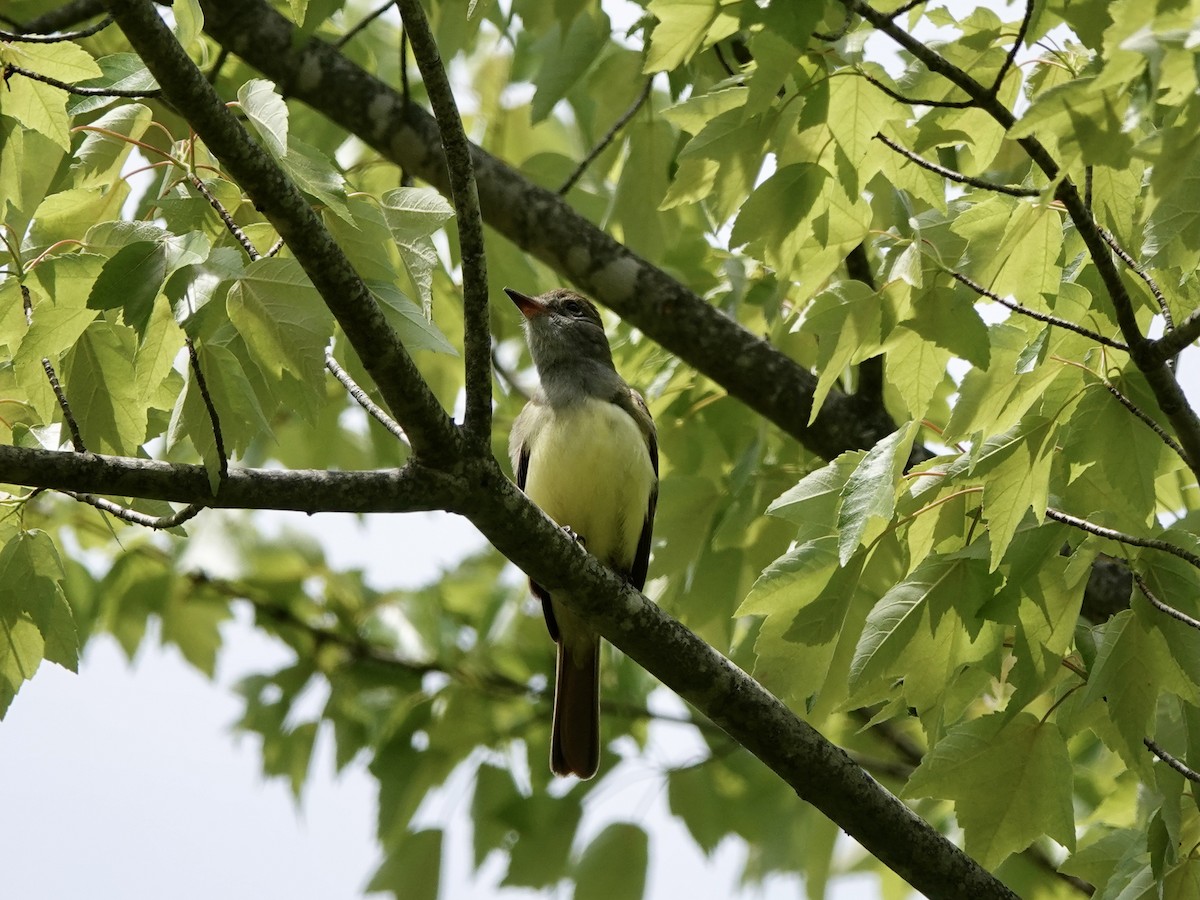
<point>589,469</point>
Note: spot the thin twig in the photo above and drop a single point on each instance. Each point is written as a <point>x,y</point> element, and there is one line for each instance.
<point>56,38</point>
<point>477,337</point>
<point>230,225</point>
<point>1145,418</point>
<point>608,137</point>
<point>68,416</point>
<point>406,179</point>
<point>275,248</point>
<point>1034,314</point>
<point>360,397</point>
<point>1163,607</point>
<point>1012,53</point>
<point>1138,270</point>
<point>223,460</point>
<point>218,64</point>
<point>134,517</point>
<point>65,16</point>
<point>915,101</point>
<point>959,177</point>
<point>10,69</point>
<point>27,303</point>
<point>362,24</point>
<point>1177,764</point>
<point>831,36</point>
<point>1122,538</point>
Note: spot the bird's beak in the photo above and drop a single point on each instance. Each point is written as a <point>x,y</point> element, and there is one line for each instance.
<point>529,307</point>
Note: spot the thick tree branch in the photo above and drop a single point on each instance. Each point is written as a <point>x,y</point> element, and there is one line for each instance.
<point>542,224</point>
<point>477,334</point>
<point>413,488</point>
<point>381,351</point>
<point>1175,342</point>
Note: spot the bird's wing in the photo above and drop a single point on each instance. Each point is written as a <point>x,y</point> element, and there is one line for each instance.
<point>518,451</point>
<point>635,405</point>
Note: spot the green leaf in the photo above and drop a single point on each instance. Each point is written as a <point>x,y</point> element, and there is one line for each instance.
<point>267,113</point>
<point>118,72</point>
<point>412,870</point>
<point>565,58</point>
<point>682,27</point>
<point>613,867</point>
<point>545,827</point>
<point>1012,247</point>
<point>862,110</point>
<point>191,624</point>
<point>316,175</point>
<point>100,157</point>
<point>60,60</point>
<point>772,212</point>
<point>285,324</point>
<point>808,566</point>
<point>130,281</point>
<point>1133,668</point>
<point>413,215</point>
<point>818,495</point>
<point>1015,469</point>
<point>945,318</point>
<point>1087,122</point>
<point>415,330</point>
<point>870,493</point>
<point>846,320</point>
<point>959,582</point>
<point>1010,783</point>
<point>916,367</point>
<point>38,107</point>
<point>702,809</point>
<point>99,382</point>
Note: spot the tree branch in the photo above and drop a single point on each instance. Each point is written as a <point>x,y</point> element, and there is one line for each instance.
<point>1048,319</point>
<point>1163,607</point>
<point>477,335</point>
<point>382,353</point>
<point>23,38</point>
<point>413,488</point>
<point>958,177</point>
<point>1178,765</point>
<point>1120,537</point>
<point>1175,342</point>
<point>361,398</point>
<point>607,138</point>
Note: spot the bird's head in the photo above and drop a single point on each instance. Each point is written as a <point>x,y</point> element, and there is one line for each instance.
<point>562,327</point>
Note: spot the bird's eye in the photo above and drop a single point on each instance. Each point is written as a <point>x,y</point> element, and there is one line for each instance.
<point>574,308</point>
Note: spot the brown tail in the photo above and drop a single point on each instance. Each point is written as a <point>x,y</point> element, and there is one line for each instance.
<point>575,734</point>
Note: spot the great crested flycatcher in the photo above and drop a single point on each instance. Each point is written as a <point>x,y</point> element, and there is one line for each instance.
<point>585,451</point>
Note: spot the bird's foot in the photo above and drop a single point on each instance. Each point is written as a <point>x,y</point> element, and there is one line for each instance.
<point>575,536</point>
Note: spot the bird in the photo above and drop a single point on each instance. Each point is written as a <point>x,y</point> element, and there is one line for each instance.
<point>583,449</point>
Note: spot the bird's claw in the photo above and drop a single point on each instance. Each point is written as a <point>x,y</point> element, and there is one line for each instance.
<point>575,536</point>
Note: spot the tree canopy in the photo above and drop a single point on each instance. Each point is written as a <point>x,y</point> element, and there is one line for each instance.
<point>909,290</point>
